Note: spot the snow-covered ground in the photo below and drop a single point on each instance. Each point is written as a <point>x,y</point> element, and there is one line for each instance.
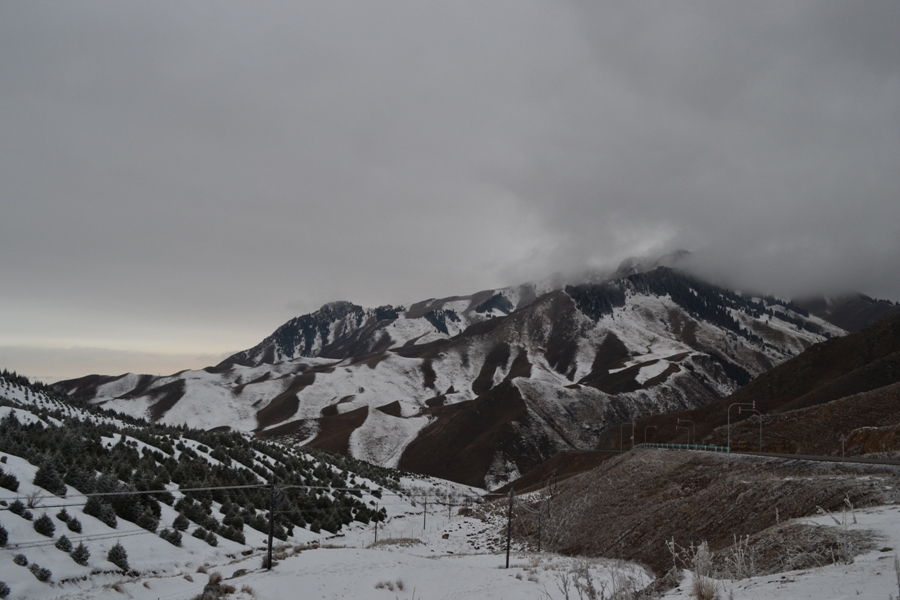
<point>438,555</point>
<point>423,552</point>
<point>433,554</point>
<point>870,576</point>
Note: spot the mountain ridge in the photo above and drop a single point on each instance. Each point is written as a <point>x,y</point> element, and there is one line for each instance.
<point>375,383</point>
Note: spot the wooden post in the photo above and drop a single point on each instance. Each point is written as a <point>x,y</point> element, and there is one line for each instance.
<point>271,522</point>
<point>376,522</point>
<point>509,526</point>
<point>425,514</point>
<point>540,510</point>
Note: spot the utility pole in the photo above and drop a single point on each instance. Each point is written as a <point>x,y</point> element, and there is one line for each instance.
<point>540,512</point>
<point>621,439</point>
<point>509,526</point>
<point>271,522</point>
<point>759,414</point>
<point>753,405</point>
<point>425,514</point>
<point>691,423</point>
<point>677,427</point>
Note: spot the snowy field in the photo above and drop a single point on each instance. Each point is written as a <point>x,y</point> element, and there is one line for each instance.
<point>432,552</point>
<point>433,556</point>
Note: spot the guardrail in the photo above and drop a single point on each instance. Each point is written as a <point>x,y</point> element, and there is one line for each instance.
<point>701,447</point>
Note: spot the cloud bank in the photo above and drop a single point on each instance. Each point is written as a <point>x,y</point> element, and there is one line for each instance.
<point>183,178</point>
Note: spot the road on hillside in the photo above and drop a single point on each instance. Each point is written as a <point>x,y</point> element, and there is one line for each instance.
<point>872,461</point>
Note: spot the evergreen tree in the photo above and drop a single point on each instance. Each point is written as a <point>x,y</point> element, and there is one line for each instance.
<point>172,536</point>
<point>17,507</point>
<point>211,539</point>
<point>4,536</point>
<point>44,525</point>
<point>232,534</point>
<point>148,521</point>
<point>74,525</point>
<point>100,509</point>
<point>4,589</point>
<point>118,556</point>
<point>8,480</point>
<point>181,523</point>
<point>64,544</point>
<point>40,572</point>
<point>80,554</point>
<point>47,478</point>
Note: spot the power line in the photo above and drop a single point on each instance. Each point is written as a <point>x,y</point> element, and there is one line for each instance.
<point>137,492</point>
<point>97,536</point>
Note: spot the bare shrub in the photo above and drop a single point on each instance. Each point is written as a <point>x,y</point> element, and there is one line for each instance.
<point>402,542</point>
<point>740,559</point>
<point>704,586</point>
<point>391,585</point>
<point>699,559</point>
<point>34,499</point>
<point>215,588</point>
<point>577,581</point>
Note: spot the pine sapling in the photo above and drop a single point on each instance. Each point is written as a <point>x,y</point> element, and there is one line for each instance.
<point>80,554</point>
<point>64,544</point>
<point>118,556</point>
<point>40,572</point>
<point>44,525</point>
<point>74,525</point>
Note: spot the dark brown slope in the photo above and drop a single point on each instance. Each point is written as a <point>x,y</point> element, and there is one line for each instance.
<point>335,431</point>
<point>868,421</point>
<point>851,313</point>
<point>560,467</point>
<point>461,444</point>
<point>629,506</point>
<point>840,367</point>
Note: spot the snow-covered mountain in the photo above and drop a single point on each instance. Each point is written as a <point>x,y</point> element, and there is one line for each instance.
<point>480,388</point>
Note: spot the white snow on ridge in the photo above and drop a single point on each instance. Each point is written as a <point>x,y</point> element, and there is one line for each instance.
<point>383,438</point>
<point>652,370</point>
<point>119,387</point>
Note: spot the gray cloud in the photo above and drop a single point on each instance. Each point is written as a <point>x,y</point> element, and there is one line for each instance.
<point>184,178</point>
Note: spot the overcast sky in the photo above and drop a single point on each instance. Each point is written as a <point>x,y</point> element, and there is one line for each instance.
<point>178,179</point>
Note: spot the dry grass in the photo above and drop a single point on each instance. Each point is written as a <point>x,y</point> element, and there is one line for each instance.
<point>630,506</point>
<point>401,542</point>
<point>397,585</point>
